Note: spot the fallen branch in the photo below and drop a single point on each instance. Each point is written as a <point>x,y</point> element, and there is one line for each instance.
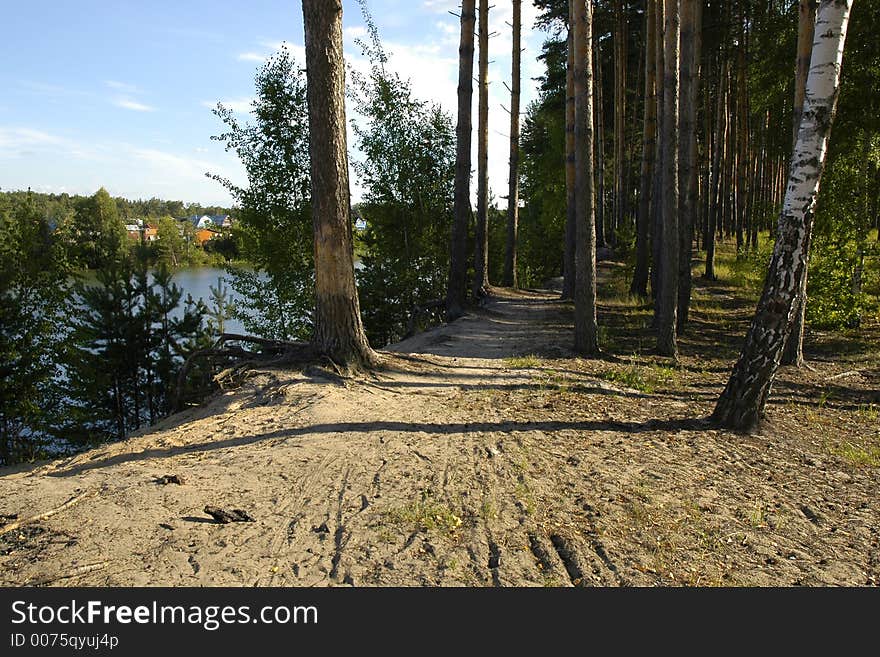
<point>76,572</point>
<point>843,375</point>
<point>5,529</point>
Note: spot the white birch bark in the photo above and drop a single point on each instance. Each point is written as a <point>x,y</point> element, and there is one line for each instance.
<point>741,405</point>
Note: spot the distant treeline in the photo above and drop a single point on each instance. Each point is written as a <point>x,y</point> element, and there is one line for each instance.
<point>55,207</point>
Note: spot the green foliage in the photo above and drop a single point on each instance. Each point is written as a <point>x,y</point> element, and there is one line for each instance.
<point>131,335</point>
<point>844,260</point>
<point>274,229</point>
<point>98,231</point>
<point>542,175</point>
<point>33,309</point>
<point>221,308</point>
<point>408,174</point>
<point>172,249</point>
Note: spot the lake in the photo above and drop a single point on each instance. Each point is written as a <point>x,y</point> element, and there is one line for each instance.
<point>197,281</point>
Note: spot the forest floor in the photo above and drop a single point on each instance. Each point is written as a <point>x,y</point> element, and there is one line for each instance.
<point>485,453</point>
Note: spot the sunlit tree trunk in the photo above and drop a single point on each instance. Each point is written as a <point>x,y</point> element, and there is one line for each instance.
<point>481,252</point>
<point>510,277</point>
<point>741,405</point>
<point>339,333</point>
<point>455,294</point>
<point>667,297</point>
<point>716,187</point>
<point>586,330</point>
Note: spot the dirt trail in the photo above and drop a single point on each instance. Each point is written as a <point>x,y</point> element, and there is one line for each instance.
<point>462,463</point>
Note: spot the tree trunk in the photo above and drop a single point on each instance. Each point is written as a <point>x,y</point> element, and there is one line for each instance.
<point>667,298</point>
<point>691,20</point>
<point>339,333</point>
<point>510,277</point>
<point>568,284</point>
<point>639,286</point>
<point>793,354</point>
<point>586,330</point>
<point>455,294</point>
<point>599,113</point>
<point>481,253</point>
<point>657,195</point>
<point>741,405</point>
<point>742,134</point>
<point>620,37</point>
<point>717,173</point>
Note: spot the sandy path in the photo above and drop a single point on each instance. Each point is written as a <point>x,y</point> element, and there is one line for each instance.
<point>451,467</point>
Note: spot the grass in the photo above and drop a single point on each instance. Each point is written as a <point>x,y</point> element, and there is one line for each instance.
<point>856,456</point>
<point>425,515</point>
<point>522,362</point>
<point>644,378</point>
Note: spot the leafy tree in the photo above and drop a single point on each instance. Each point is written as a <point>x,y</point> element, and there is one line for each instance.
<point>407,172</point>
<point>98,230</point>
<point>171,245</point>
<point>274,227</point>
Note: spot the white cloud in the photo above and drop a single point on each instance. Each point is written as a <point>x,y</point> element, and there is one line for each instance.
<point>251,57</point>
<point>238,105</point>
<point>17,138</point>
<point>129,104</point>
<point>122,86</point>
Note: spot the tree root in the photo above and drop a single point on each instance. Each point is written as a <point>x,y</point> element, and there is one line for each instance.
<point>239,360</point>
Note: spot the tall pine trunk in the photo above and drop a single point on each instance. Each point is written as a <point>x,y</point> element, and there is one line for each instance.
<point>620,190</point>
<point>481,252</point>
<point>657,194</point>
<point>667,297</point>
<point>339,333</point>
<point>455,294</point>
<point>639,286</point>
<point>570,246</point>
<point>793,354</point>
<point>715,185</point>
<point>741,405</point>
<point>691,19</point>
<point>586,330</point>
<point>510,277</point>
<point>599,113</point>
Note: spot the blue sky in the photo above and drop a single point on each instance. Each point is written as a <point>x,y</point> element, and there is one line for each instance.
<point>119,94</point>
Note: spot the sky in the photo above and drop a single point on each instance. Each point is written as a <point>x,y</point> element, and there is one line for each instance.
<point>119,93</point>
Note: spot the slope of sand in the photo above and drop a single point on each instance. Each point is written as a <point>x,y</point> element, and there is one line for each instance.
<point>458,464</point>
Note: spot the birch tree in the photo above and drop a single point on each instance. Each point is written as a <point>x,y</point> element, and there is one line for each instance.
<point>794,347</point>
<point>741,405</point>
